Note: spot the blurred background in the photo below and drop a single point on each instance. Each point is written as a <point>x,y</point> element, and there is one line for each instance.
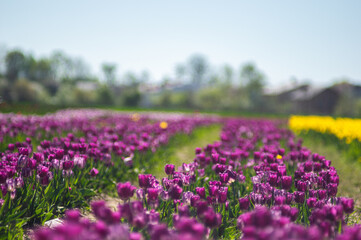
<point>215,56</point>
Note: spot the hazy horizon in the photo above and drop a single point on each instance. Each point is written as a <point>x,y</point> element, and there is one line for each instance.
<point>319,41</point>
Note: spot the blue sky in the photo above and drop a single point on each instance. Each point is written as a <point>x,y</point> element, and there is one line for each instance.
<point>317,40</point>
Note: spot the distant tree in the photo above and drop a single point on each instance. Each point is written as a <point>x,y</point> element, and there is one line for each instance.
<point>83,97</point>
<point>131,97</point>
<point>198,67</point>
<point>5,91</point>
<point>209,98</point>
<point>65,95</point>
<point>105,95</point>
<point>30,67</point>
<point>144,77</point>
<point>68,69</point>
<point>180,72</point>
<point>62,66</point>
<point>14,62</point>
<point>131,94</point>
<point>253,81</point>
<point>109,71</point>
<point>24,91</point>
<point>165,98</point>
<point>131,79</point>
<point>215,79</point>
<point>81,69</point>
<point>44,73</point>
<point>3,52</point>
<point>228,74</point>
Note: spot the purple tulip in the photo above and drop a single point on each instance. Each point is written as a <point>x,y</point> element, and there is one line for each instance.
<point>24,151</point>
<point>286,182</point>
<point>94,172</point>
<point>72,215</point>
<point>38,157</point>
<point>159,231</point>
<point>125,190</point>
<point>144,180</point>
<point>317,167</point>
<point>3,176</point>
<point>101,228</point>
<point>175,191</point>
<point>152,194</point>
<point>169,169</point>
<point>311,202</point>
<point>308,166</point>
<point>183,210</point>
<point>312,193</point>
<point>11,147</point>
<point>68,165</point>
<point>201,191</point>
<point>243,203</point>
<point>332,189</point>
<point>348,205</point>
<point>321,194</point>
<point>43,171</point>
<point>139,221</point>
<point>45,180</point>
<point>153,217</point>
<point>273,179</point>
<point>299,197</point>
<point>212,219</point>
<point>222,195</point>
<point>224,178</point>
<point>213,190</point>
<point>202,206</point>
<point>262,217</point>
<point>280,200</point>
<point>293,213</point>
<point>194,200</point>
<point>198,150</point>
<point>301,186</point>
<point>190,229</point>
<point>282,170</point>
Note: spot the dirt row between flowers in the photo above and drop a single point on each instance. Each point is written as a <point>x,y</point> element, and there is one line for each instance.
<point>180,149</point>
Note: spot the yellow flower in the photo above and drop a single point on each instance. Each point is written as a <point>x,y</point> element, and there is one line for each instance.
<point>279,156</point>
<point>343,128</point>
<point>163,125</point>
<point>135,117</point>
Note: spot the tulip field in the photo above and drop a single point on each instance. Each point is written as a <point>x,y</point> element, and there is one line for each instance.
<point>258,181</point>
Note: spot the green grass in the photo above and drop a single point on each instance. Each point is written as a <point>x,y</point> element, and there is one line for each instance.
<point>180,148</point>
<point>41,109</point>
<point>348,169</point>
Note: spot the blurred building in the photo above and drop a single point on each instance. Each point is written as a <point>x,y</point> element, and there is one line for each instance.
<point>307,99</point>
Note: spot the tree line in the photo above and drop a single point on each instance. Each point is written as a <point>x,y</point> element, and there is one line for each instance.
<point>63,80</point>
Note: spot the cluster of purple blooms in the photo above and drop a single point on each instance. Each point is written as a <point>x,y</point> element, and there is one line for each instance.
<point>74,139</point>
<point>118,224</point>
<point>239,188</point>
<point>257,182</point>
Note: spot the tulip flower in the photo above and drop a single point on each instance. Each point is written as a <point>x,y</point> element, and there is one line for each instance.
<point>125,190</point>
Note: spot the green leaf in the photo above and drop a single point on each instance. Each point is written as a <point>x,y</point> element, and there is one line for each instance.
<point>16,216</point>
<point>48,216</point>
